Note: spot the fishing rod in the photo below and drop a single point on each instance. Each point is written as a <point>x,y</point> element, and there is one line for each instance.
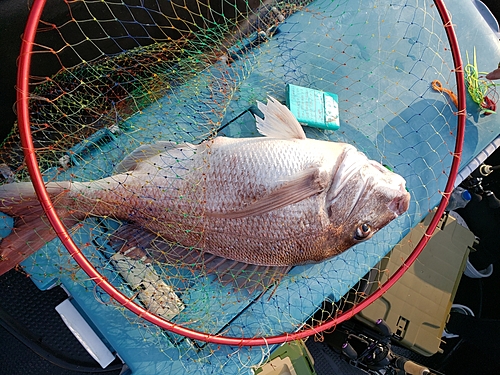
<point>473,183</point>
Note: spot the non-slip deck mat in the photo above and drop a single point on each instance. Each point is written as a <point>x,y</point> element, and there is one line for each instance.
<point>33,337</point>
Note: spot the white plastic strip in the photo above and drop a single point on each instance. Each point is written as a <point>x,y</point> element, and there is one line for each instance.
<point>477,161</point>
<point>84,333</point>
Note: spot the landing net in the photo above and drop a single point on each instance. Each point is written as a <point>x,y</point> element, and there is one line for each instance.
<point>98,79</point>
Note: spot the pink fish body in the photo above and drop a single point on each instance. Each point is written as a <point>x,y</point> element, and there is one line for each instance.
<point>277,200</point>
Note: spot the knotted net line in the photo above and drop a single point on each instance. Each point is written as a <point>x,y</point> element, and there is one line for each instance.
<point>107,77</point>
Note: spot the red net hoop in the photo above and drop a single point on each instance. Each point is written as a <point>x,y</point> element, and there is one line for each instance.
<point>32,163</point>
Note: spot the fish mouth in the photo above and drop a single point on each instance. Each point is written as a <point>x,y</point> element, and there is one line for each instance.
<point>401,203</point>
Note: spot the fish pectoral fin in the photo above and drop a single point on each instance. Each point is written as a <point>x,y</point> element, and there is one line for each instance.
<point>306,184</point>
<point>278,122</point>
<point>143,153</point>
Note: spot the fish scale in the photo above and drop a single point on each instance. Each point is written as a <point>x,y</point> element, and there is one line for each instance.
<point>254,170</point>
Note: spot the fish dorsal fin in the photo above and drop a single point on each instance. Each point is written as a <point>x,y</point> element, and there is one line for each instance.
<point>278,121</point>
<point>142,153</point>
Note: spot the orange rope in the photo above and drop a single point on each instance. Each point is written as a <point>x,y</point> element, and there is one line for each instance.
<point>436,85</point>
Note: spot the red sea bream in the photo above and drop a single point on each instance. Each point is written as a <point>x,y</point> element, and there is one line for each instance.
<point>277,200</point>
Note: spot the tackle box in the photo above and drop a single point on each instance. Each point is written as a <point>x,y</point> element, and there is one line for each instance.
<point>417,306</point>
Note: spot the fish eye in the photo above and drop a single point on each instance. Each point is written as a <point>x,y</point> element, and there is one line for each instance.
<point>363,232</point>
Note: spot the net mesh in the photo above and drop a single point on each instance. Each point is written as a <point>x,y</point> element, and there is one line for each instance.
<point>108,77</point>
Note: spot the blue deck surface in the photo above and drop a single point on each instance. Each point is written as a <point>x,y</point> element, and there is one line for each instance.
<point>413,132</point>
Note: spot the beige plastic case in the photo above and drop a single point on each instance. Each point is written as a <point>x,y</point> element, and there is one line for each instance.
<point>291,358</point>
<point>417,307</point>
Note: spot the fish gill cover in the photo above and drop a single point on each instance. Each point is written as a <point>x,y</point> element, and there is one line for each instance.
<point>145,119</point>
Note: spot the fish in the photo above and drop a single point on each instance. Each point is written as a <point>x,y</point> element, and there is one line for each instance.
<point>279,199</point>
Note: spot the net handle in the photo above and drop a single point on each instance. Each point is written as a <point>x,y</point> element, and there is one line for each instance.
<point>61,231</point>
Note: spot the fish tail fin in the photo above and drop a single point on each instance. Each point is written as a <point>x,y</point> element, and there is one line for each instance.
<point>31,229</point>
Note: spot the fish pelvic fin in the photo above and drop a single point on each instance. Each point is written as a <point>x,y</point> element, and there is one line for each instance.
<point>31,229</point>
<point>140,245</point>
<point>278,122</point>
<point>303,185</point>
